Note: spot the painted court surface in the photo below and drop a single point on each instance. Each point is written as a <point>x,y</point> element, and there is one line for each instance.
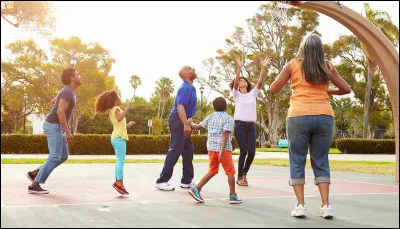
<point>81,196</point>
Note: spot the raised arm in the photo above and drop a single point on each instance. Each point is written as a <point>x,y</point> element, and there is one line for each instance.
<point>239,65</point>
<point>264,63</point>
<point>120,115</point>
<point>282,79</point>
<point>339,82</point>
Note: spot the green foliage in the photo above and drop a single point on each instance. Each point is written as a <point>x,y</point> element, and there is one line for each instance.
<point>96,144</point>
<point>270,33</point>
<point>35,73</point>
<point>157,126</point>
<point>366,146</point>
<point>31,15</point>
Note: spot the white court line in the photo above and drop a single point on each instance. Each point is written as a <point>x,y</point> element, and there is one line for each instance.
<point>189,200</point>
<point>2,204</point>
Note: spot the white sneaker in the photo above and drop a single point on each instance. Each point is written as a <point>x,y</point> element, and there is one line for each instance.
<point>188,185</point>
<point>299,211</point>
<point>165,186</point>
<point>326,212</point>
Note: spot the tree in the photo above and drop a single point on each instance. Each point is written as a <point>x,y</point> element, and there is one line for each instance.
<point>383,22</point>
<point>27,73</point>
<point>342,109</point>
<point>94,65</point>
<point>157,125</point>
<point>32,72</point>
<point>135,81</point>
<point>164,89</point>
<point>32,15</point>
<point>353,67</point>
<point>271,33</point>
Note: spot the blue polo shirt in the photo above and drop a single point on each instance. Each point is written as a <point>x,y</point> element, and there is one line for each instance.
<point>186,96</point>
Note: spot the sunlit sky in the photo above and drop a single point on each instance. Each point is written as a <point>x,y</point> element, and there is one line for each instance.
<point>155,39</point>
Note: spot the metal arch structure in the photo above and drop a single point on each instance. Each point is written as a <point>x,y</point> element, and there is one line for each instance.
<point>383,51</point>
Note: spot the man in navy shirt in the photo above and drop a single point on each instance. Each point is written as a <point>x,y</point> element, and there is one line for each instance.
<point>55,126</point>
<point>181,142</point>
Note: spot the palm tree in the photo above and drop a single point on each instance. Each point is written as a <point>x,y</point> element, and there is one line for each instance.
<point>383,22</point>
<point>135,82</point>
<point>342,109</point>
<point>165,87</point>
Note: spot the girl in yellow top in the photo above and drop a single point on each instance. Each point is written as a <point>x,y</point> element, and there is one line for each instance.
<point>109,101</point>
<point>310,118</point>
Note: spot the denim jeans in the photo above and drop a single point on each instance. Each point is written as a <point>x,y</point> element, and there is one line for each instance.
<point>119,145</point>
<point>179,145</point>
<point>314,132</point>
<point>58,150</point>
<point>245,135</point>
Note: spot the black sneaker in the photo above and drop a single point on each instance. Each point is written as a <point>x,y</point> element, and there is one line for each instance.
<point>31,176</point>
<point>37,189</point>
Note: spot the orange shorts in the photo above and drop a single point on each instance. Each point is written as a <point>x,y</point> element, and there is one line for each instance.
<point>226,161</point>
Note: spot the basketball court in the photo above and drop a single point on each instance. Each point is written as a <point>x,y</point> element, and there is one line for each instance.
<point>81,196</point>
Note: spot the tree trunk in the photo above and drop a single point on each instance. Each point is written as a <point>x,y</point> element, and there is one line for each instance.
<point>159,108</point>
<point>273,121</point>
<point>134,93</point>
<point>162,110</point>
<point>15,124</point>
<point>368,99</point>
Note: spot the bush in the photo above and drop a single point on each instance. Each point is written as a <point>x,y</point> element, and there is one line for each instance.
<point>97,144</point>
<point>333,144</point>
<point>366,146</point>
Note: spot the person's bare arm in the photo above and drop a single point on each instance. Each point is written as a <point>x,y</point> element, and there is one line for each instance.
<point>264,63</point>
<point>239,65</point>
<point>224,141</point>
<point>282,79</point>
<point>120,115</point>
<point>62,118</point>
<point>339,82</point>
<point>182,116</point>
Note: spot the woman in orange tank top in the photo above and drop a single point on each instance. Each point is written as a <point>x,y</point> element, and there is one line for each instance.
<point>310,118</point>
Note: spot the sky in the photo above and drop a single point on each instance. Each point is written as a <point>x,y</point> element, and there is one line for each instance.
<point>155,39</point>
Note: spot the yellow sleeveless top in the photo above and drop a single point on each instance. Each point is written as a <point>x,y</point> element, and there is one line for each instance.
<point>307,99</point>
<point>119,128</point>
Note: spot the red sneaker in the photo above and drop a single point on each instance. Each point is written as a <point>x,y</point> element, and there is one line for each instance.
<point>120,189</point>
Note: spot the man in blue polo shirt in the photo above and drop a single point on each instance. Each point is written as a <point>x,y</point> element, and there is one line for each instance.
<point>181,142</point>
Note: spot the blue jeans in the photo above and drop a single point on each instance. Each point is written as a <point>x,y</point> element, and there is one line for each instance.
<point>58,150</point>
<point>245,135</point>
<point>179,145</point>
<point>119,145</point>
<point>314,132</point>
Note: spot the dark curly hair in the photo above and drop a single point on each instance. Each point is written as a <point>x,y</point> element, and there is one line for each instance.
<point>106,100</point>
<point>249,86</point>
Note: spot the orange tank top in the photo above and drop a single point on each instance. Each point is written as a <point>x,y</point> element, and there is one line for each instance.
<point>307,99</point>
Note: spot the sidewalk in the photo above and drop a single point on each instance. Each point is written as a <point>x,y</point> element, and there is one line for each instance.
<point>259,155</point>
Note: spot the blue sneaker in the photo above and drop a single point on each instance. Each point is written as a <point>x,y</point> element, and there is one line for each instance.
<point>195,193</point>
<point>234,199</point>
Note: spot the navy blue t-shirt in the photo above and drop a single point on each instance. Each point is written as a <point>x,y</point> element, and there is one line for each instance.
<point>186,96</point>
<point>68,95</point>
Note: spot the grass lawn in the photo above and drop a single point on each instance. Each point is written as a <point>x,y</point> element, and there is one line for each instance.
<point>383,168</point>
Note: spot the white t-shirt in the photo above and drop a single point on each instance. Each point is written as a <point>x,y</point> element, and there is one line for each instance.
<point>245,105</point>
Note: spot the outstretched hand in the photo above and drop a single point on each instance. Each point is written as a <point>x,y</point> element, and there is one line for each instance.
<point>238,61</point>
<point>266,61</point>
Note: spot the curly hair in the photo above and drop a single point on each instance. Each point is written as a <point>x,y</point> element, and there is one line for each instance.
<point>106,100</point>
<point>249,86</point>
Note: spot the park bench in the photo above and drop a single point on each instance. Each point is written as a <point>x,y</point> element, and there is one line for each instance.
<point>283,143</point>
